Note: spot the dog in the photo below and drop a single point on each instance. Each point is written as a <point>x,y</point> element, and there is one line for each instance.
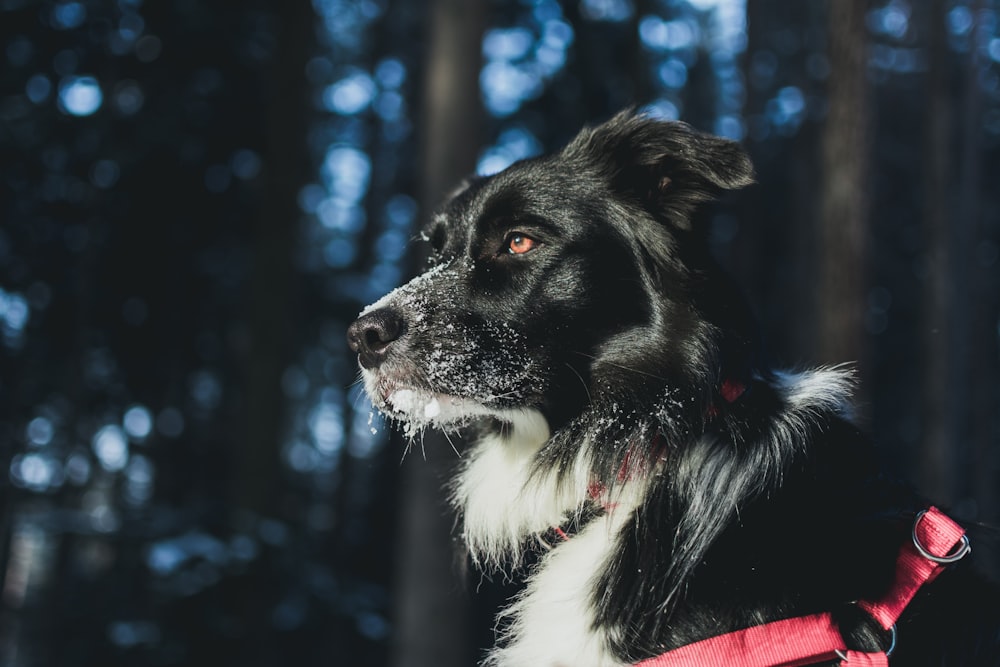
<point>633,449</point>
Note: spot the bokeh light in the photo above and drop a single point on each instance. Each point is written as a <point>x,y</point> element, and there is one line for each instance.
<point>111,448</point>
<point>80,95</point>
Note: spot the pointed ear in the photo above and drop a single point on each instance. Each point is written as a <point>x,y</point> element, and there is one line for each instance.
<point>669,166</point>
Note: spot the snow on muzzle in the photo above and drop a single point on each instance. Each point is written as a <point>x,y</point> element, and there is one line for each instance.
<point>426,361</point>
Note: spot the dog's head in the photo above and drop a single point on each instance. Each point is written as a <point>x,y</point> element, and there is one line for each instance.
<point>567,282</point>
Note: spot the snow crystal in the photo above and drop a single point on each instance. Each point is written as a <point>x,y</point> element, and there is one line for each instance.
<point>410,289</point>
<point>402,400</point>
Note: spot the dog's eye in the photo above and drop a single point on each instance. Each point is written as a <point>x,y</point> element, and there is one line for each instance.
<point>518,244</point>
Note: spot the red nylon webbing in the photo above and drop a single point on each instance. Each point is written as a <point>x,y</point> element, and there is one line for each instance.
<point>805,640</point>
<point>788,643</point>
<point>939,535</point>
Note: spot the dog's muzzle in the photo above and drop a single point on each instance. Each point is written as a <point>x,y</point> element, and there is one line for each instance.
<point>371,335</point>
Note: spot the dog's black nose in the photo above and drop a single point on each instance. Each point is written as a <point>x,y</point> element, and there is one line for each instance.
<point>371,335</point>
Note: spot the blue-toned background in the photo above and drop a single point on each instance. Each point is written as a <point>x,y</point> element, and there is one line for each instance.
<point>197,197</point>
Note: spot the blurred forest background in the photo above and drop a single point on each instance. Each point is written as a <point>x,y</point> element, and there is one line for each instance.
<point>197,197</point>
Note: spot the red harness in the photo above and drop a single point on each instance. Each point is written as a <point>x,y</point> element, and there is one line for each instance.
<point>792,642</point>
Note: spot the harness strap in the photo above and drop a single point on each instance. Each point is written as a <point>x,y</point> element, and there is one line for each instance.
<point>790,642</point>
<point>936,541</point>
<point>804,640</point>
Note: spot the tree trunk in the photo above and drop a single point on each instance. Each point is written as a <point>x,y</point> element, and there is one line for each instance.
<point>275,228</point>
<point>431,613</point>
<point>844,197</point>
<point>979,307</point>
<point>936,468</point>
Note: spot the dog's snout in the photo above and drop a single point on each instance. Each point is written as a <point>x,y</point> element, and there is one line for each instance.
<point>371,335</point>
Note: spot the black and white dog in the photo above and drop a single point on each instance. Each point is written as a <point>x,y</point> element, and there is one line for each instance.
<point>628,431</point>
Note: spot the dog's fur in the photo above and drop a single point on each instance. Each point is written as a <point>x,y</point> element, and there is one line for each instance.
<point>613,375</point>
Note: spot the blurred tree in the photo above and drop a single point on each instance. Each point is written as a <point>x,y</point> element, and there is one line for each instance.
<point>843,208</point>
<point>978,296</point>
<point>937,448</point>
<point>272,301</point>
<point>429,596</point>
<point>787,70</point>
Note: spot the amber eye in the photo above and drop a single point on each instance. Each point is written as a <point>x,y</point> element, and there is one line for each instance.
<point>518,244</point>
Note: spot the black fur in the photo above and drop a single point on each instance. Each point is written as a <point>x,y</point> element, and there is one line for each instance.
<point>621,330</point>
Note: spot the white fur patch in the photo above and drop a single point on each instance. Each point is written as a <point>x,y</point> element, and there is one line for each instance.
<point>500,505</point>
<point>819,389</point>
<point>416,409</point>
<point>552,621</point>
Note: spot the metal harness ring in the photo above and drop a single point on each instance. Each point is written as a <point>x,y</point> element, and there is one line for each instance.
<point>892,642</point>
<point>888,652</point>
<point>960,552</point>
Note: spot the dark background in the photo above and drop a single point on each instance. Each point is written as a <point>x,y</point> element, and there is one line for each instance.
<point>197,197</point>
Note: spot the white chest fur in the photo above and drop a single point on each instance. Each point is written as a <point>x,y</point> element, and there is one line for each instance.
<point>503,505</point>
<point>552,622</point>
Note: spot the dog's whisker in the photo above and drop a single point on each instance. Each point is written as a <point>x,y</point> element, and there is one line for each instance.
<point>453,447</point>
<point>406,451</point>
<point>582,381</point>
<point>357,402</point>
<point>621,366</point>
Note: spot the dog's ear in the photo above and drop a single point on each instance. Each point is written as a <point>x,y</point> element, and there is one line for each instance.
<point>668,165</point>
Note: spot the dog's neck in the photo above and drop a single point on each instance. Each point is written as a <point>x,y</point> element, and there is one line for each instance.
<point>679,519</point>
<point>505,498</point>
<point>519,480</point>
